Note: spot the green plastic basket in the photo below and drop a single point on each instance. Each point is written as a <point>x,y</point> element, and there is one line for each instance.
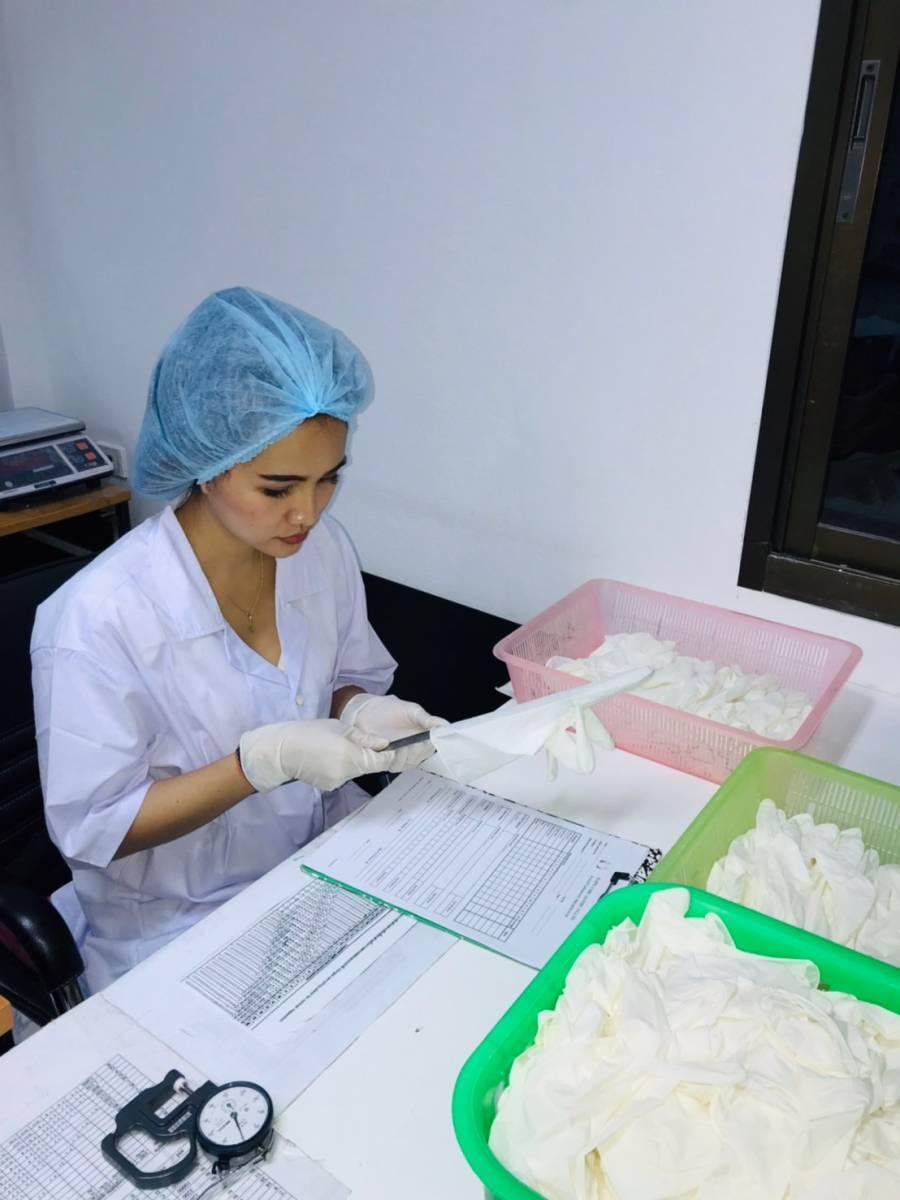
<point>487,1070</point>
<point>796,784</point>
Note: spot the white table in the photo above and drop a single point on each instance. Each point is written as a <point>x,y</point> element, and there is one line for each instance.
<point>379,1119</point>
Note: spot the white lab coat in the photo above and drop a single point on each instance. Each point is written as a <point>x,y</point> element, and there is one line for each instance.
<point>138,677</point>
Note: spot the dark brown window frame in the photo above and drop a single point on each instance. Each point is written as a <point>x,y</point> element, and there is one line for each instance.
<point>785,498</point>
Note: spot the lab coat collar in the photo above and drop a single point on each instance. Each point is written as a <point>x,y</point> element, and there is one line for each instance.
<point>184,591</point>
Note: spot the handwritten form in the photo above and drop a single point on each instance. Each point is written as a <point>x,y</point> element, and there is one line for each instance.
<point>498,873</point>
<point>276,983</point>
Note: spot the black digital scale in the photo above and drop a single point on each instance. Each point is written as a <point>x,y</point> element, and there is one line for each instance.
<point>41,451</point>
<point>230,1122</point>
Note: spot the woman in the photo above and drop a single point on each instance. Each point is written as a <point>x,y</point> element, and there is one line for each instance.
<point>188,683</point>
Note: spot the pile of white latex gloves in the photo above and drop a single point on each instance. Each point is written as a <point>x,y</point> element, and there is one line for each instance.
<point>676,1067</point>
<point>816,876</point>
<point>726,694</point>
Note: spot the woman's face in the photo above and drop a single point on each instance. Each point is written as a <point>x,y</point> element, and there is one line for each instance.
<point>273,501</point>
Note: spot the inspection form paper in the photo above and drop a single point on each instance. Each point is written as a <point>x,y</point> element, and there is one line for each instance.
<point>62,1090</point>
<point>279,980</point>
<point>495,872</point>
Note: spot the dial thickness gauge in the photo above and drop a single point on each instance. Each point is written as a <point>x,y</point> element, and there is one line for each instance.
<point>235,1120</point>
<point>165,1124</point>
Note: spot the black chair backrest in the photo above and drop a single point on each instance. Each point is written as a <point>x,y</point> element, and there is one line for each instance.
<point>27,856</point>
<point>444,650</point>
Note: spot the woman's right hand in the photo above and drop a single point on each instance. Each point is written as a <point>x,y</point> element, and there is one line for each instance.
<point>324,754</point>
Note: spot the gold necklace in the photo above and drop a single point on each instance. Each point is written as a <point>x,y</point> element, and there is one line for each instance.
<point>248,612</point>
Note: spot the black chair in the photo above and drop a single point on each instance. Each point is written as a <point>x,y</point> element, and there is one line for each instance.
<point>27,855</point>
<point>443,649</point>
<point>39,961</point>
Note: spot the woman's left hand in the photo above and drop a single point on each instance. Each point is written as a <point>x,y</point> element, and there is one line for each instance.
<point>392,718</point>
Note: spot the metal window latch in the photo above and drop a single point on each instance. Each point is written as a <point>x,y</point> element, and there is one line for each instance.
<point>859,138</point>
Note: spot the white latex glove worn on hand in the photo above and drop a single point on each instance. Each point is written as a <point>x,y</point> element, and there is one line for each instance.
<point>392,718</point>
<point>324,754</point>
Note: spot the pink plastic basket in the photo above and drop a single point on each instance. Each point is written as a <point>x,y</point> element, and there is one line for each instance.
<point>576,625</point>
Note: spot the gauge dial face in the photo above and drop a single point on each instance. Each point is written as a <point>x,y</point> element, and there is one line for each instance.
<point>237,1115</point>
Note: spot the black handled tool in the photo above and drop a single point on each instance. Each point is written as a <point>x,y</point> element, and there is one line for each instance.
<point>412,740</point>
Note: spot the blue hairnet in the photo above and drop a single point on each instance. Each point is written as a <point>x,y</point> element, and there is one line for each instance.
<point>242,372</point>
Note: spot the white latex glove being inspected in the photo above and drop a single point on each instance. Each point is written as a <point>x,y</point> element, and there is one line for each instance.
<point>325,754</point>
<point>391,718</point>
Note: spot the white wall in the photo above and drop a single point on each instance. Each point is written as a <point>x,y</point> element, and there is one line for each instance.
<point>555,226</point>
<point>5,385</point>
<point>19,322</point>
